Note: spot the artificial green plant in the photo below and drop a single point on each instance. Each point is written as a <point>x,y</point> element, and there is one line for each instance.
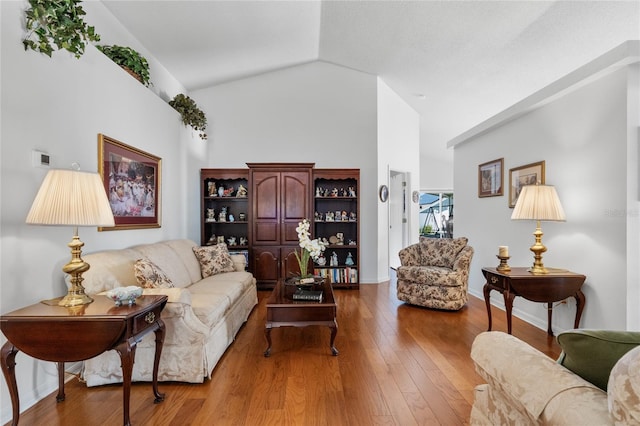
<point>190,113</point>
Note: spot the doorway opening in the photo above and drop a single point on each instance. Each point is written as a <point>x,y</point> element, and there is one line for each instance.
<point>436,214</point>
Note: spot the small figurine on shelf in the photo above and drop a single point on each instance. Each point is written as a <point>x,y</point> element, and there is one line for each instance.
<point>317,216</point>
<point>349,260</point>
<point>334,192</point>
<point>318,191</point>
<point>242,216</point>
<point>352,192</point>
<point>231,241</point>
<point>344,216</point>
<point>231,218</point>
<point>242,191</point>
<point>211,189</point>
<point>339,238</point>
<point>212,240</point>
<point>352,217</point>
<point>222,217</point>
<point>243,241</point>
<point>334,259</point>
<point>328,217</point>
<point>353,243</point>
<point>325,242</point>
<point>229,192</point>
<point>321,260</point>
<point>220,191</point>
<point>211,215</point>
<point>220,239</point>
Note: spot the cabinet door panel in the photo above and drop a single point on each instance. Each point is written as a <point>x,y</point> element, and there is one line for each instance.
<point>290,265</point>
<point>266,266</point>
<point>265,233</point>
<point>265,193</point>
<point>295,204</point>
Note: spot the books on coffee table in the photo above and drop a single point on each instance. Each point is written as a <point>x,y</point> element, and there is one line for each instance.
<point>308,295</point>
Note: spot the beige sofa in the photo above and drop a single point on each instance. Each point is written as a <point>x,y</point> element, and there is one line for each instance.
<point>526,387</point>
<point>202,316</point>
<point>434,273</point>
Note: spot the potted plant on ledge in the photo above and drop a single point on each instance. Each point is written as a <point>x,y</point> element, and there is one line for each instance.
<point>129,60</point>
<point>190,113</point>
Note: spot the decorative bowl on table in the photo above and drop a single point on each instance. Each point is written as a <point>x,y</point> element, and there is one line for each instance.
<point>122,295</point>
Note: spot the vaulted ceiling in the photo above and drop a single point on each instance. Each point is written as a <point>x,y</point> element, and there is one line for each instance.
<point>455,62</point>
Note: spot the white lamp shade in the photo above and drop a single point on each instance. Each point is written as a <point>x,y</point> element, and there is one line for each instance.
<point>71,197</point>
<point>538,202</point>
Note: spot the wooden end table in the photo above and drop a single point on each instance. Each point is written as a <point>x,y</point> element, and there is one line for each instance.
<point>557,285</point>
<point>283,311</point>
<point>56,333</point>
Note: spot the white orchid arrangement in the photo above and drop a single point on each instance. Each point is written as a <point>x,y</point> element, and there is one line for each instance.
<point>309,248</point>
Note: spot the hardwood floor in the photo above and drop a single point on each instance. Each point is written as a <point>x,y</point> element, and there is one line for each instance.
<point>398,365</point>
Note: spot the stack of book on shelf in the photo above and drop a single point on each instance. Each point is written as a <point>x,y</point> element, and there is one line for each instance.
<point>338,275</point>
<point>308,295</point>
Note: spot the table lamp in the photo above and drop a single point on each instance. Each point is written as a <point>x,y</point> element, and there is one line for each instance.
<point>538,202</point>
<point>72,198</point>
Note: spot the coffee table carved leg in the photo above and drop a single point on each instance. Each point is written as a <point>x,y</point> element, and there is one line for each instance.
<point>127,353</point>
<point>8,359</point>
<point>267,334</point>
<point>334,332</point>
<point>60,397</point>
<point>487,301</point>
<point>160,331</point>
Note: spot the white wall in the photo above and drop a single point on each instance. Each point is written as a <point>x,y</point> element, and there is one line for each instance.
<point>59,105</point>
<point>318,113</point>
<point>398,148</point>
<point>583,136</point>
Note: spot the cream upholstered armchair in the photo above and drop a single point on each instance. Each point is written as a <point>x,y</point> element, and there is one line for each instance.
<point>434,273</point>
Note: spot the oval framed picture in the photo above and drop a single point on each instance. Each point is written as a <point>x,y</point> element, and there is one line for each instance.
<point>415,196</point>
<point>383,193</point>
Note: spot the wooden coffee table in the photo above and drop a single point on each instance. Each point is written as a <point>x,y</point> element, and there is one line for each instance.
<point>283,311</point>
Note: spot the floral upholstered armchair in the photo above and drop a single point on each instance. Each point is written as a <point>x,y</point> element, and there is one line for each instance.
<point>434,273</point>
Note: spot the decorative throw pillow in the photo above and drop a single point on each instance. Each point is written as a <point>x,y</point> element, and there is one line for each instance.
<point>214,259</point>
<point>149,275</point>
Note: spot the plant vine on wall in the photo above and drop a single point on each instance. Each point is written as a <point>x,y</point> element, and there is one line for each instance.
<point>190,113</point>
<point>57,24</point>
<point>128,59</point>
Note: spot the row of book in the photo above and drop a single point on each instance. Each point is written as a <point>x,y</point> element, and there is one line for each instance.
<point>338,275</point>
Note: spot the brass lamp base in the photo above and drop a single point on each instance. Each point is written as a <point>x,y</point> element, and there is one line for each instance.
<point>76,267</point>
<point>538,248</point>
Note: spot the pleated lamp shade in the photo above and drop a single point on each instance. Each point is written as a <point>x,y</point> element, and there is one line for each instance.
<point>538,202</point>
<point>73,198</point>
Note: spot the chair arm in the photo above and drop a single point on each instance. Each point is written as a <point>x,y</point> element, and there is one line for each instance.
<point>410,256</point>
<point>591,354</point>
<point>529,378</point>
<point>463,260</point>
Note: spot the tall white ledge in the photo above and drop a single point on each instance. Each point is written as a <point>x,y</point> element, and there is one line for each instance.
<point>625,54</point>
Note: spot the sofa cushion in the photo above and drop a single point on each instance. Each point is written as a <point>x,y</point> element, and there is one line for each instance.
<point>623,392</point>
<point>150,275</point>
<point>431,275</point>
<point>209,307</point>
<point>591,354</point>
<point>440,251</point>
<point>183,249</point>
<point>165,257</point>
<point>214,259</point>
<point>109,269</point>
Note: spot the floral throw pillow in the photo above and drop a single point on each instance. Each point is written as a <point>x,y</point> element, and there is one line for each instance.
<point>149,275</point>
<point>214,259</point>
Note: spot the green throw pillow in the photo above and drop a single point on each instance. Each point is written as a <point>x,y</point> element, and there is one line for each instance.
<point>591,354</point>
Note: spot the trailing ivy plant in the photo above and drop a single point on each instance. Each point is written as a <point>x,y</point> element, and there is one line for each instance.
<point>191,114</point>
<point>57,24</point>
<point>129,59</point>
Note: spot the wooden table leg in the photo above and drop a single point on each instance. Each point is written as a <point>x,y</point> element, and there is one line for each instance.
<point>60,397</point>
<point>508,304</point>
<point>580,302</point>
<point>160,331</point>
<point>267,335</point>
<point>549,315</point>
<point>127,353</point>
<point>487,300</point>
<point>334,332</point>
<point>8,359</point>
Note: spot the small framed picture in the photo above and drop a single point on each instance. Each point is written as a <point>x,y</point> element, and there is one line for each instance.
<point>529,174</point>
<point>491,178</point>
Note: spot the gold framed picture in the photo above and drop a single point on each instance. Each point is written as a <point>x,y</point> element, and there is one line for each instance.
<point>529,174</point>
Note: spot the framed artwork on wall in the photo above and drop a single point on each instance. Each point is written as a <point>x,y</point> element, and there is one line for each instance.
<point>131,178</point>
<point>529,174</point>
<point>491,178</point>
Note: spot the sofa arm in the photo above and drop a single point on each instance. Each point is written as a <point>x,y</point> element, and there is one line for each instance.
<point>591,354</point>
<point>529,378</point>
<point>239,262</point>
<point>624,389</point>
